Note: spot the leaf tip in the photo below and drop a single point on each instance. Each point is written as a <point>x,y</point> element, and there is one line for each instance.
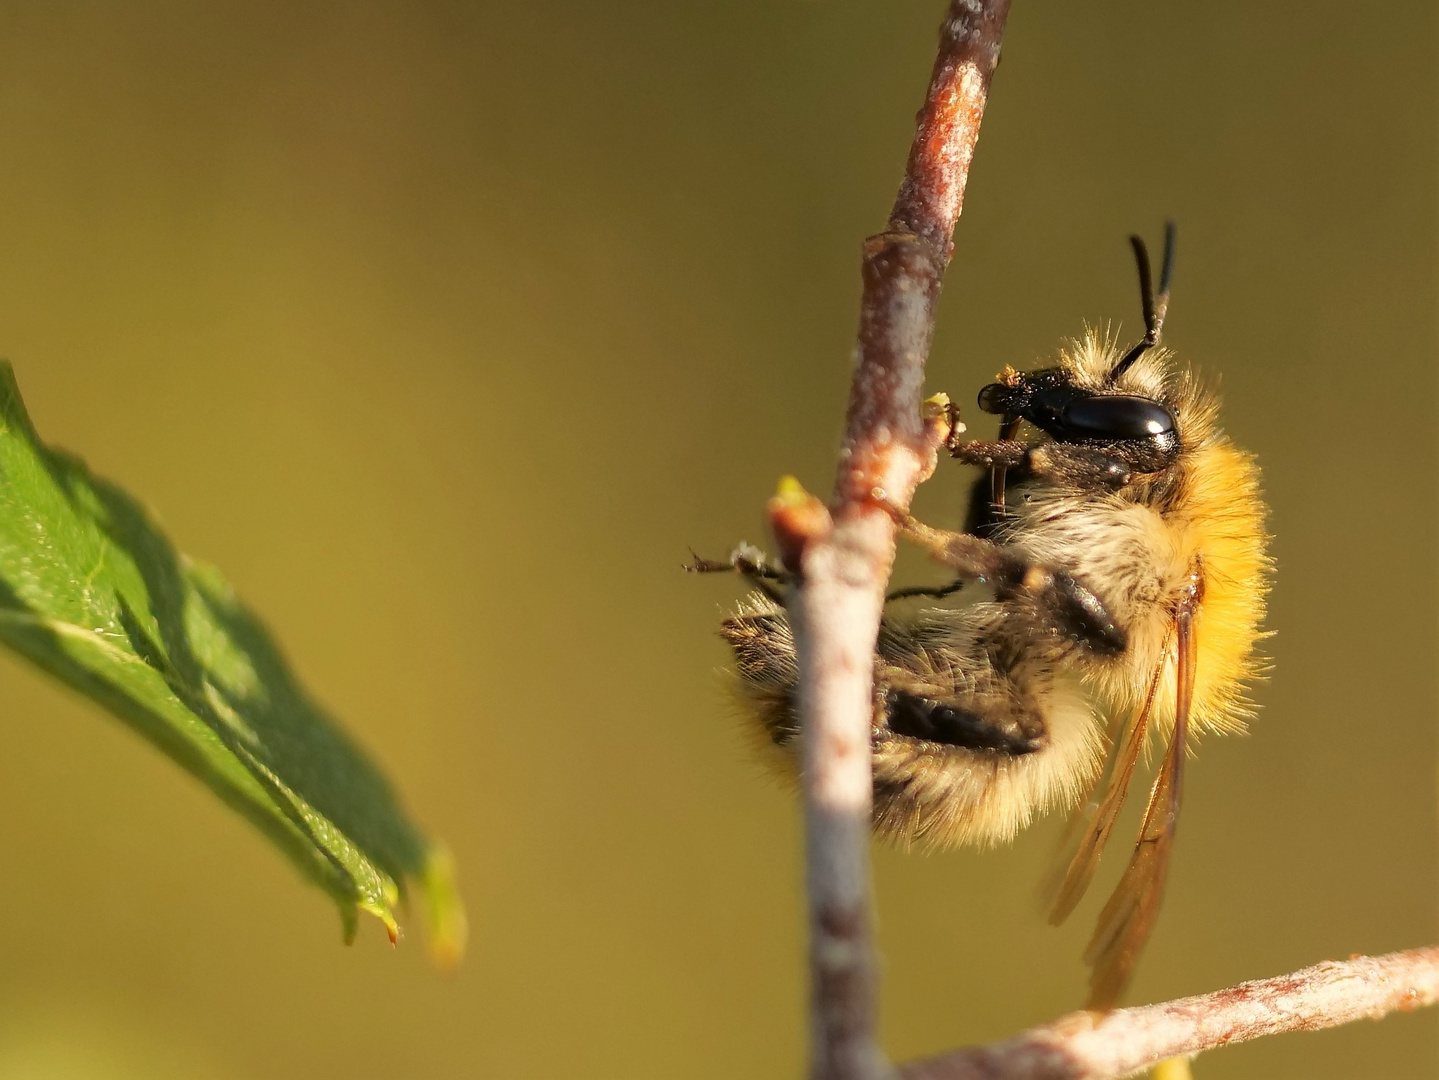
<point>444,910</point>
<point>349,923</point>
<point>384,912</point>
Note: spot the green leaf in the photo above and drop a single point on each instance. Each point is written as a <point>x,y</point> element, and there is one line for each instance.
<point>93,592</point>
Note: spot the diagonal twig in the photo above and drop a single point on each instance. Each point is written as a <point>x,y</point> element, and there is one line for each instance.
<point>1090,1046</point>
<point>842,556</point>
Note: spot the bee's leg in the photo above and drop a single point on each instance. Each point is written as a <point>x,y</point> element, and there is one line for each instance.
<point>972,557</point>
<point>999,458</point>
<point>1086,466</point>
<point>1003,452</point>
<point>750,562</point>
<point>739,564</point>
<point>996,721</point>
<point>932,593</point>
<point>1057,600</point>
<point>1006,453</point>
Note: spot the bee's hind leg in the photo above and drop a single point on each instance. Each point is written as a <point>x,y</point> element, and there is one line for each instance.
<point>997,720</point>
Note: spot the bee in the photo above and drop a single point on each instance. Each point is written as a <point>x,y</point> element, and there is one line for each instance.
<point>1114,573</point>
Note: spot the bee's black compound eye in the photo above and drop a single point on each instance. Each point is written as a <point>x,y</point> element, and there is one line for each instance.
<point>1116,416</point>
<point>994,398</point>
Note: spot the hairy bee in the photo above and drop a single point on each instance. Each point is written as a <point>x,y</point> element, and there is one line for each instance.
<point>1115,573</point>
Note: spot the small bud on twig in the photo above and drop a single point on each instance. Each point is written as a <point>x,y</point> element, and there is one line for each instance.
<point>797,519</point>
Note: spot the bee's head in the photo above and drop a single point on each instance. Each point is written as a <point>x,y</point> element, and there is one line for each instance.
<point>1060,406</point>
<point>1097,398</point>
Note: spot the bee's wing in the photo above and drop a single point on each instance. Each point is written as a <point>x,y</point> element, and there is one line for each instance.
<point>1126,920</point>
<point>1089,829</point>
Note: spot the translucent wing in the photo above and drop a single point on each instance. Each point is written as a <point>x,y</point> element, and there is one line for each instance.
<point>1127,919</point>
<point>1089,829</point>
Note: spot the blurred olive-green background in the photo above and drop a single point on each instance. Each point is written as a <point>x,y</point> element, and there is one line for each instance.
<point>446,328</point>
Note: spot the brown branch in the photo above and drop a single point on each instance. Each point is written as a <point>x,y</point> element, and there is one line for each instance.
<point>843,557</point>
<point>1090,1046</point>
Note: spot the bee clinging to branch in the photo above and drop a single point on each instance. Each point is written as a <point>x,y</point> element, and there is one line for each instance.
<point>1114,573</point>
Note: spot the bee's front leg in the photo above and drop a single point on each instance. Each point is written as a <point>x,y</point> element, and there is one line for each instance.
<point>1082,466</point>
<point>1001,453</point>
<point>987,454</point>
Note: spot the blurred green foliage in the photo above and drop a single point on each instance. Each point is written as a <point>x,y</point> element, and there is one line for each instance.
<point>94,593</point>
<point>448,328</point>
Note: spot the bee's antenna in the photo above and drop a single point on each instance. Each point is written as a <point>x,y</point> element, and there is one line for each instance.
<point>1166,274</point>
<point>1153,306</point>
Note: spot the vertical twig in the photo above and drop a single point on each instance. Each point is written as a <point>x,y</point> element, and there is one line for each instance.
<point>844,556</point>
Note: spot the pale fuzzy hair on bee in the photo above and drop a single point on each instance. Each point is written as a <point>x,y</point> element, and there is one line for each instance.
<point>925,793</point>
<point>1141,543</point>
